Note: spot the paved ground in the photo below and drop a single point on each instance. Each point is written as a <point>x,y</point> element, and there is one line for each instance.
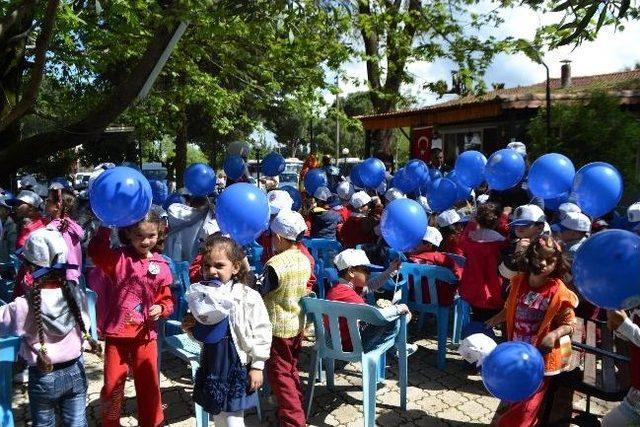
<point>454,396</point>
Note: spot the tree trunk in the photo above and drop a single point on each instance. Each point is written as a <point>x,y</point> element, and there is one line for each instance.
<point>180,160</point>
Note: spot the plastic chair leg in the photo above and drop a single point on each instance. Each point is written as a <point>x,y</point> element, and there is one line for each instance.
<point>308,399</point>
<point>423,320</point>
<point>91,303</point>
<point>6,378</point>
<point>329,371</point>
<point>382,367</point>
<point>460,319</point>
<point>443,329</point>
<point>369,382</point>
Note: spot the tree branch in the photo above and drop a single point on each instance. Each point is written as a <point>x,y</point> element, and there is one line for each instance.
<point>15,15</point>
<point>89,129</point>
<point>42,45</point>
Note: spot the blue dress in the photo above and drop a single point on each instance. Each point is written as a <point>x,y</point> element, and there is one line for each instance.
<point>221,380</point>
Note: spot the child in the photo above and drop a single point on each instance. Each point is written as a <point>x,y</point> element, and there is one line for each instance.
<point>627,327</point>
<point>539,311</point>
<point>573,230</point>
<point>451,229</point>
<point>358,229</point>
<point>60,206</point>
<point>139,294</point>
<point>481,285</point>
<point>345,191</point>
<point>528,223</point>
<point>324,220</point>
<point>232,322</point>
<point>51,321</point>
<point>354,267</point>
<point>284,282</point>
<point>427,253</point>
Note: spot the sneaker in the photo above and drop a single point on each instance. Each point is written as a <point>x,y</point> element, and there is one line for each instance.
<point>411,348</point>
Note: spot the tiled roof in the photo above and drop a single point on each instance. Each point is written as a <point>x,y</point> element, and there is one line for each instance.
<point>623,83</point>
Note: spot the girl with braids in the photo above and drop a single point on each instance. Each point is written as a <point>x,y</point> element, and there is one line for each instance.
<point>539,311</point>
<point>60,207</point>
<point>138,294</point>
<point>231,321</point>
<point>51,320</point>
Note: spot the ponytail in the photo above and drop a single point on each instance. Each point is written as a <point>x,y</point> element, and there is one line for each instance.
<point>43,360</point>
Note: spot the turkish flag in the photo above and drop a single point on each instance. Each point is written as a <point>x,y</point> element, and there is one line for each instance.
<point>421,143</point>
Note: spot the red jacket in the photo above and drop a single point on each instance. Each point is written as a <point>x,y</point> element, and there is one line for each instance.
<point>343,293</point>
<point>446,292</point>
<point>344,211</point>
<point>452,244</point>
<point>481,284</point>
<point>356,230</point>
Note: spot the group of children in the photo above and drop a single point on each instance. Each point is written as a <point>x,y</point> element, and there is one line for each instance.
<point>516,273</point>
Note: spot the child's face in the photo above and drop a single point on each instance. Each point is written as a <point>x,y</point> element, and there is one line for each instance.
<point>528,231</point>
<point>143,237</point>
<point>358,276</point>
<point>217,265</point>
<point>545,266</point>
<point>51,207</point>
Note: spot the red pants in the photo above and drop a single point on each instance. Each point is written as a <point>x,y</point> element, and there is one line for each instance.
<point>282,370</point>
<point>141,358</point>
<point>527,412</point>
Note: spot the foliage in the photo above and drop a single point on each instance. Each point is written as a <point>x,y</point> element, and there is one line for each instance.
<point>598,130</point>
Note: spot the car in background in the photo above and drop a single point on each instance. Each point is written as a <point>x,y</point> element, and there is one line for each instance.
<point>288,178</point>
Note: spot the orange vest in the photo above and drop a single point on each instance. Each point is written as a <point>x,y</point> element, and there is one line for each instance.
<point>557,360</point>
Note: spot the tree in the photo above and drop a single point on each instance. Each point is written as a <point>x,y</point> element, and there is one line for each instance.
<point>598,130</point>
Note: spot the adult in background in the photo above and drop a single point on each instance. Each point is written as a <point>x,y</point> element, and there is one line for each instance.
<point>436,161</point>
<point>333,173</point>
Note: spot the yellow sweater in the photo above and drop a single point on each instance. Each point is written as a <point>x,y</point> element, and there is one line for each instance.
<point>283,303</point>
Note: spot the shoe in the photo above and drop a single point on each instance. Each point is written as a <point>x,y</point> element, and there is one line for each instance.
<point>411,348</point>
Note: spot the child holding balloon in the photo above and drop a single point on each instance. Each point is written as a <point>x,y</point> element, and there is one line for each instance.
<point>139,294</point>
<point>539,311</point>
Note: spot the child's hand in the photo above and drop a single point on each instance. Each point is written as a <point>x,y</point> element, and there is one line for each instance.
<point>255,379</point>
<point>188,322</point>
<point>402,309</point>
<point>615,318</point>
<point>155,311</point>
<point>547,343</point>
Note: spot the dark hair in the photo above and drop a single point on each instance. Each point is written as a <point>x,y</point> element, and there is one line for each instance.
<point>544,247</point>
<point>152,217</point>
<point>487,215</point>
<point>35,303</point>
<point>436,151</point>
<point>232,250</point>
<point>326,160</point>
<point>67,204</point>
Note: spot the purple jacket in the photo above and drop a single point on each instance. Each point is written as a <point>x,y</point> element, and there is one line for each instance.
<point>73,236</point>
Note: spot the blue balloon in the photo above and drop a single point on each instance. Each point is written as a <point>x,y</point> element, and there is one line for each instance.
<point>417,170</point>
<point>382,188</point>
<point>233,166</point>
<point>554,203</point>
<point>295,195</point>
<point>354,176</point>
<point>404,183</point>
<point>200,179</point>
<point>314,179</point>
<point>434,174</point>
<point>242,211</point>
<point>464,192</point>
<point>442,194</point>
<point>372,172</point>
<point>159,191</point>
<point>606,269</point>
<point>597,188</point>
<point>273,164</point>
<point>120,196</point>
<point>173,198</point>
<point>470,168</point>
<point>513,371</point>
<point>403,224</point>
<point>551,175</point>
<point>505,169</point>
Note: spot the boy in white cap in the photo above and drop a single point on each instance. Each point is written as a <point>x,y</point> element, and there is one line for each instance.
<point>284,282</point>
<point>345,190</point>
<point>324,220</point>
<point>450,225</point>
<point>354,267</point>
<point>573,231</point>
<point>358,229</point>
<point>428,253</point>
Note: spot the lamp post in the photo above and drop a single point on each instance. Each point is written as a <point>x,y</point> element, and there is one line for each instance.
<point>337,118</point>
<point>548,102</point>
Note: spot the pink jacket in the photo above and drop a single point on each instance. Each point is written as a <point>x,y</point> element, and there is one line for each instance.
<point>135,284</point>
<point>73,236</point>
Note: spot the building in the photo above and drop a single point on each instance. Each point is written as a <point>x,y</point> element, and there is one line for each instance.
<point>489,122</point>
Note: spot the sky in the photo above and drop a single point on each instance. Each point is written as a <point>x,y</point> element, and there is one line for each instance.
<point>610,52</point>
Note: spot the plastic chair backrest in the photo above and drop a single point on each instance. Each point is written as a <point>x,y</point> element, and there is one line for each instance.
<point>431,273</point>
<point>181,281</point>
<point>325,278</point>
<point>323,249</point>
<point>330,345</point>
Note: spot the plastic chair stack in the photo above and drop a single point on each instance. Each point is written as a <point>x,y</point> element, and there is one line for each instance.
<point>430,273</point>
<point>328,347</point>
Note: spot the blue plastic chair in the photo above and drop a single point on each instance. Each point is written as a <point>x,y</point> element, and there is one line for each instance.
<point>325,278</point>
<point>461,317</point>
<point>431,273</point>
<point>458,259</point>
<point>328,347</point>
<point>323,249</point>
<point>181,282</point>
<point>9,347</point>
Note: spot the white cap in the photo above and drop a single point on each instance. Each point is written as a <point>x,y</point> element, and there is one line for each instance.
<point>279,200</point>
<point>527,215</point>
<point>28,197</point>
<point>476,347</point>
<point>576,221</point>
<point>425,204</point>
<point>322,193</point>
<point>433,236</point>
<point>633,212</point>
<point>28,181</point>
<point>393,194</point>
<point>482,199</point>
<point>45,248</point>
<point>289,224</point>
<point>567,207</point>
<point>518,147</point>
<point>345,190</point>
<point>360,199</point>
<point>447,218</point>
<point>352,258</point>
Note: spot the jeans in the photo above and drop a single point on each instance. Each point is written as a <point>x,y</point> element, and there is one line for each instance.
<point>372,336</point>
<point>64,390</point>
<point>625,414</point>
